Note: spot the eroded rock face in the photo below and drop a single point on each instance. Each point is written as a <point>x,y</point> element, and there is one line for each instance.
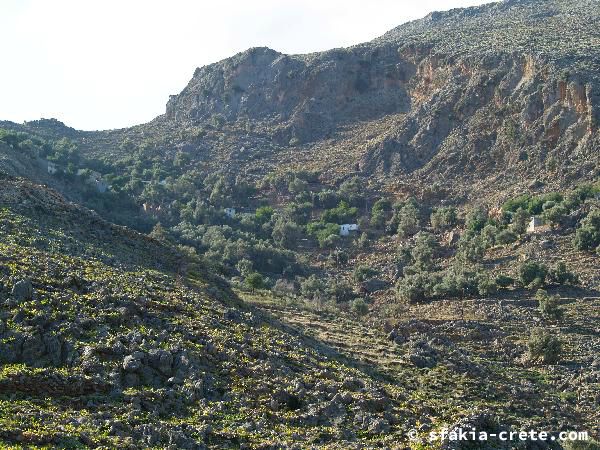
<point>474,90</point>
<point>311,94</point>
<point>477,114</point>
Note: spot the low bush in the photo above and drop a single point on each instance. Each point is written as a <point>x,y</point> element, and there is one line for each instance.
<point>532,272</point>
<point>505,237</point>
<point>549,305</point>
<point>476,219</point>
<point>363,273</point>
<point>544,347</point>
<point>442,218</point>
<point>587,236</point>
<point>561,275</point>
<point>504,281</point>
<point>359,307</point>
<point>416,287</point>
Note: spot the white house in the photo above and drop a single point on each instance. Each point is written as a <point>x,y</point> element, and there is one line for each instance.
<point>347,228</point>
<point>534,224</point>
<point>230,212</point>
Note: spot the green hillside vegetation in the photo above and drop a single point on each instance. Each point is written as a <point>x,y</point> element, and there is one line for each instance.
<point>318,251</point>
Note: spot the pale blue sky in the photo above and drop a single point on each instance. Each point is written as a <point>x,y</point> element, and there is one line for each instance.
<point>99,64</point>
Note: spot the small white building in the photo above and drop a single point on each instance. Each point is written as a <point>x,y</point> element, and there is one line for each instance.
<point>230,212</point>
<point>534,224</point>
<point>348,228</point>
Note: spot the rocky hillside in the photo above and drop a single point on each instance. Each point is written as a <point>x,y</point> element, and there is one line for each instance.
<point>111,338</point>
<point>507,92</point>
<point>506,85</point>
<point>463,146</point>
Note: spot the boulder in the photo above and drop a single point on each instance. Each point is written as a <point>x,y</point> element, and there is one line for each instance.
<point>22,290</point>
<point>131,363</point>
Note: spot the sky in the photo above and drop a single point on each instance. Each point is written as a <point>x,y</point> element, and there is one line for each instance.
<point>103,64</point>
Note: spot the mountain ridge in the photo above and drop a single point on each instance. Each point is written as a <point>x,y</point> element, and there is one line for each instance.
<point>508,87</point>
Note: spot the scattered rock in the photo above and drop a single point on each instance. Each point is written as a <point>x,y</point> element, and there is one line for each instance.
<point>131,363</point>
<point>22,291</point>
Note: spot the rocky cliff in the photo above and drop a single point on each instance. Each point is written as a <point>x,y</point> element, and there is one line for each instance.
<point>509,84</point>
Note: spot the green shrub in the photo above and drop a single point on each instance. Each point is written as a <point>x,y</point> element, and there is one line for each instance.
<point>313,288</point>
<point>576,197</point>
<point>442,218</point>
<point>489,235</point>
<point>382,205</point>
<point>327,199</point>
<point>555,215</point>
<point>543,347</point>
<point>264,213</point>
<point>424,251</point>
<point>352,190</point>
<point>298,213</point>
<point>363,241</point>
<point>416,287</point>
<point>532,272</point>
<point>408,220</point>
<point>561,275</point>
<point>520,220</point>
<point>343,213</point>
<point>340,291</point>
<point>504,281</point>
<point>255,281</point>
<point>532,205</point>
<point>549,305</point>
<point>536,204</point>
<point>297,186</point>
<point>359,307</point>
<point>514,204</point>
<point>456,282</point>
<point>476,219</point>
<point>377,220</point>
<point>363,273</point>
<point>460,280</point>
<point>331,240</point>
<point>587,236</point>
<point>13,138</point>
<point>286,234</point>
<point>327,234</point>
<point>486,285</point>
<point>471,248</point>
<point>506,237</point>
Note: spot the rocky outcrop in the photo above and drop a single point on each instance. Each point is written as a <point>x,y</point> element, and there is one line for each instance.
<point>510,85</point>
<point>311,94</point>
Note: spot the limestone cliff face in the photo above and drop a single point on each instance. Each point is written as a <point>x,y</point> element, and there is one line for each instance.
<point>472,113</point>
<point>310,93</point>
<point>475,89</point>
